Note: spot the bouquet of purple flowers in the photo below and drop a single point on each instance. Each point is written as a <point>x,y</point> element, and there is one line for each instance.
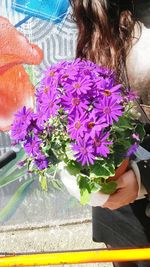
<point>84,119</point>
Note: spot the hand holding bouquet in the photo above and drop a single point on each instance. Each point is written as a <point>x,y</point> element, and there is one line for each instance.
<point>84,120</point>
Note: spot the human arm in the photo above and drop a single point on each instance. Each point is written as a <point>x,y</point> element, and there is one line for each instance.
<point>135,183</point>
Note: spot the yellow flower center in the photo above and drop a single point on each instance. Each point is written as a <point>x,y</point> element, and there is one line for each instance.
<point>75,101</point>
<point>107,92</point>
<point>77,125</point>
<point>91,124</point>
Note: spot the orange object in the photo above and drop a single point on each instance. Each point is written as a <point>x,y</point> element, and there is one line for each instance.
<point>120,170</point>
<point>16,89</point>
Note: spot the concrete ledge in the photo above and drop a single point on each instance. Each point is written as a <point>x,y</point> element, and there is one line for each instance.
<point>54,238</point>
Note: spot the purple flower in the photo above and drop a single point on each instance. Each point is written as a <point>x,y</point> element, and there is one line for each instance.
<point>100,144</point>
<point>131,95</point>
<point>81,86</point>
<point>132,149</point>
<point>32,146</point>
<point>41,162</point>
<point>24,116</point>
<point>52,76</point>
<point>40,118</point>
<point>20,126</point>
<point>88,68</point>
<point>95,123</point>
<point>18,132</point>
<point>84,150</point>
<point>106,73</point>
<point>85,100</point>
<point>50,103</point>
<point>107,88</point>
<point>21,163</point>
<point>73,103</point>
<point>113,91</point>
<point>136,136</point>
<point>109,109</point>
<point>76,126</point>
<point>68,73</point>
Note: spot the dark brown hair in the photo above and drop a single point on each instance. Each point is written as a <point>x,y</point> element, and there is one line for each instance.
<point>105,30</point>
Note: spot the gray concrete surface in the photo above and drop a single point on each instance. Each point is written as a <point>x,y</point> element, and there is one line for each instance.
<point>72,236</point>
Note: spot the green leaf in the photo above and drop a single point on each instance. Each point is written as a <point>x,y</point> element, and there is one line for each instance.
<point>51,171</point>
<point>84,196</point>
<point>140,130</point>
<point>57,184</point>
<point>43,182</point>
<point>100,169</point>
<point>118,155</point>
<point>118,161</point>
<point>69,152</point>
<point>109,188</point>
<point>73,167</point>
<point>111,165</point>
<point>124,122</point>
<point>52,157</point>
<point>84,185</point>
<point>11,166</point>
<point>125,143</point>
<point>15,201</point>
<point>16,174</point>
<point>95,187</point>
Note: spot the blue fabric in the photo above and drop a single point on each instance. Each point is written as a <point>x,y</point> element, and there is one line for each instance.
<point>53,10</point>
